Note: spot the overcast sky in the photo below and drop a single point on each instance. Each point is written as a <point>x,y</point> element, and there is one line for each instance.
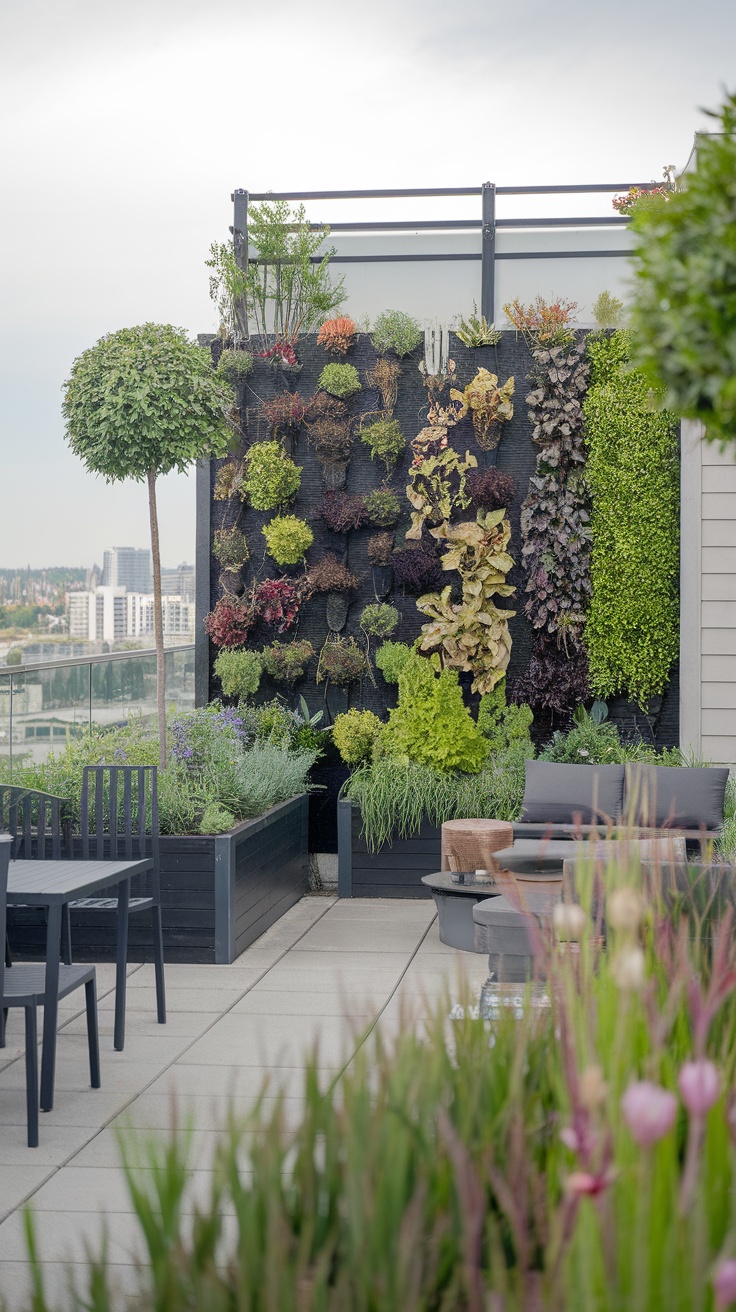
<point>125,127</point>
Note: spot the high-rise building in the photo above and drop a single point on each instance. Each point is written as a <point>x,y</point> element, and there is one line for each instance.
<point>99,615</point>
<point>128,568</point>
<point>178,582</point>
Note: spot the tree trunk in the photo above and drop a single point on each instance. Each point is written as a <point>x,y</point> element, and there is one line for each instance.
<point>158,621</point>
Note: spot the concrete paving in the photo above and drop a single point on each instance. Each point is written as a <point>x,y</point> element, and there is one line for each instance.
<point>318,981</point>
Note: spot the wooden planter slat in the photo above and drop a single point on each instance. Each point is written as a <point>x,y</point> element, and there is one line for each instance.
<point>395,870</point>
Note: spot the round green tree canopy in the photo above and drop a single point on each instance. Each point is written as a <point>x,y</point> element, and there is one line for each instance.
<point>145,399</point>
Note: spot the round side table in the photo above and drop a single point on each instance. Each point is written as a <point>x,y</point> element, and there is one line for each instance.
<point>470,844</point>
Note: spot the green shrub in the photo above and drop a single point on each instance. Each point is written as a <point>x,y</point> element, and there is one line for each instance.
<point>271,477</point>
<point>385,440</point>
<point>632,628</point>
<point>266,775</point>
<point>391,658</point>
<point>287,661</point>
<point>432,724</point>
<point>354,734</point>
<point>397,332</point>
<point>230,547</point>
<point>380,620</point>
<point>504,725</point>
<point>216,819</point>
<point>235,366</point>
<point>288,538</point>
<point>342,662</point>
<point>382,508</point>
<point>239,671</point>
<point>340,380</point>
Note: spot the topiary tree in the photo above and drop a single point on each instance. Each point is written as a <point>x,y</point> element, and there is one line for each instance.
<point>141,402</point>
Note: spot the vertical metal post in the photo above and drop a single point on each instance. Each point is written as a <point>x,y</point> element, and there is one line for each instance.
<point>10,728</point>
<point>240,249</point>
<point>488,253</point>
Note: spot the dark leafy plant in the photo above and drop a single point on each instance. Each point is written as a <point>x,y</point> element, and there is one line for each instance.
<point>385,441</point>
<point>380,549</point>
<point>229,624</point>
<point>342,511</point>
<point>283,412</point>
<point>382,508</point>
<point>239,672</point>
<point>632,630</point>
<point>490,489</point>
<point>337,335</point>
<point>416,569</point>
<point>397,332</point>
<point>554,682</point>
<point>342,662</point>
<point>684,311</point>
<point>271,477</point>
<point>277,602</point>
<point>330,575</point>
<point>379,620</point>
<point>340,380</point>
<point>287,662</point>
<point>230,547</point>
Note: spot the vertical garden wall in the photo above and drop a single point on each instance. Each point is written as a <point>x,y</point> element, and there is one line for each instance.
<point>346,557</point>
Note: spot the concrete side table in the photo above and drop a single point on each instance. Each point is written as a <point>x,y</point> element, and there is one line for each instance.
<point>455,902</point>
<point>470,844</point>
<point>502,926</point>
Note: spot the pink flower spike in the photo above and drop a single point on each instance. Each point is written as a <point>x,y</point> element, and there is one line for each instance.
<point>649,1112</point>
<point>724,1283</point>
<point>700,1085</point>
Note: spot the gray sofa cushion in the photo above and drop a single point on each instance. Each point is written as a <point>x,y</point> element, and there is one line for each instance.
<point>567,794</point>
<point>663,796</point>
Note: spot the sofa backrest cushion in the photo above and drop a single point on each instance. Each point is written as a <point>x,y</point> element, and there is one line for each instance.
<point>675,797</point>
<point>555,793</point>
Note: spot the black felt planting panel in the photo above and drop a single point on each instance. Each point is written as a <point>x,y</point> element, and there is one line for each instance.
<point>515,455</point>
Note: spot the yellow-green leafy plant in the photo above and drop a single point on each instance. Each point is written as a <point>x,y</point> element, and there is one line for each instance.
<point>340,380</point>
<point>288,538</point>
<point>431,723</point>
<point>489,406</point>
<point>354,734</point>
<point>608,311</point>
<point>239,672</point>
<point>477,331</point>
<point>271,477</point>
<point>472,634</point>
<point>379,620</point>
<point>437,480</point>
<point>385,441</point>
<point>235,366</point>
<point>391,658</point>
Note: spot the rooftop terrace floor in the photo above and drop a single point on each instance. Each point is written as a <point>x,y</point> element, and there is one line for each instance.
<point>323,975</point>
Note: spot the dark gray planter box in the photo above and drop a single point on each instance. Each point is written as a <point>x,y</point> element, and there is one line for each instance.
<point>395,870</point>
<point>218,894</point>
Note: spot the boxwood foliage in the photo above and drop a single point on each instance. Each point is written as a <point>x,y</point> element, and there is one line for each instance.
<point>633,621</point>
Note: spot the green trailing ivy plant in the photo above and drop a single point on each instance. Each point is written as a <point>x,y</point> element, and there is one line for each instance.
<point>632,629</point>
<point>472,634</point>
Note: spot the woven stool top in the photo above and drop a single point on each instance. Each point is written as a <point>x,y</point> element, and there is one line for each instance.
<point>470,844</point>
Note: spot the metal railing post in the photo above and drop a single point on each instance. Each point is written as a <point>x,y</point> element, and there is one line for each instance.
<point>488,253</point>
<point>240,250</point>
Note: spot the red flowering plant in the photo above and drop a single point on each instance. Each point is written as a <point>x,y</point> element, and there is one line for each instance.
<point>282,353</point>
<point>277,601</point>
<point>229,624</point>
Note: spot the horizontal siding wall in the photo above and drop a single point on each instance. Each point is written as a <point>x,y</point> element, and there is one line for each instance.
<point>715,687</point>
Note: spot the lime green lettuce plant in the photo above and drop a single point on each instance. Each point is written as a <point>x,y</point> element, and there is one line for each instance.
<point>432,724</point>
<point>504,726</point>
<point>140,403</point>
<point>271,477</point>
<point>684,310</point>
<point>354,734</point>
<point>288,538</point>
<point>341,380</point>
<point>239,672</point>
<point>632,628</point>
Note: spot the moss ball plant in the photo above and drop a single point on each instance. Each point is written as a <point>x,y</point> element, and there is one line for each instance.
<point>397,332</point>
<point>385,441</point>
<point>341,662</point>
<point>288,538</point>
<point>354,734</point>
<point>340,380</point>
<point>271,477</point>
<point>380,620</point>
<point>239,672</point>
<point>382,508</point>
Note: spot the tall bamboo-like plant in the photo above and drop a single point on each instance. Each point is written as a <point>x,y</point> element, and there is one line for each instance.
<point>141,402</point>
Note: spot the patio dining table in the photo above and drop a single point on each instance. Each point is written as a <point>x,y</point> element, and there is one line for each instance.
<point>52,884</point>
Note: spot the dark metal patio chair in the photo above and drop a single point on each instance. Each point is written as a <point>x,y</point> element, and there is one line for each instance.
<point>40,827</point>
<point>25,986</point>
<point>119,818</point>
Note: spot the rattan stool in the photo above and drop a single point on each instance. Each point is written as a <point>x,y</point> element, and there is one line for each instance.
<point>470,844</point>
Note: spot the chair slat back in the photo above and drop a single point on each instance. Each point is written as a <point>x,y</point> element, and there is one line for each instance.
<point>37,822</point>
<point>119,813</point>
<point>6,844</point>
